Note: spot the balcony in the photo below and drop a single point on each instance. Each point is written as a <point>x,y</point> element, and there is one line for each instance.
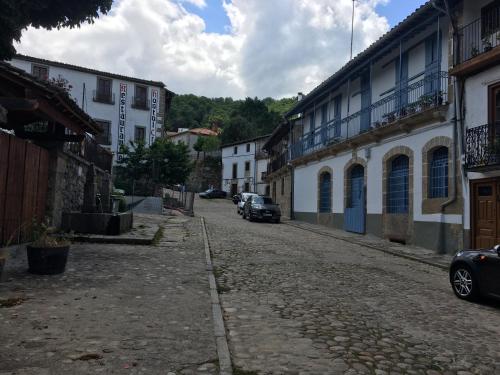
<point>277,163</point>
<point>89,150</point>
<point>483,148</point>
<point>140,103</point>
<point>404,107</point>
<point>476,44</point>
<point>103,97</point>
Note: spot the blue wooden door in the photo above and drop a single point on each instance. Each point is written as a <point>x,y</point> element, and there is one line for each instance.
<point>354,216</point>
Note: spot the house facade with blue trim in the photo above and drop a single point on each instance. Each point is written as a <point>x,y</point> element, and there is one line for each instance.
<point>375,149</point>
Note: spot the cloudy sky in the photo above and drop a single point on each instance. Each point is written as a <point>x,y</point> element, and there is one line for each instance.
<point>220,48</point>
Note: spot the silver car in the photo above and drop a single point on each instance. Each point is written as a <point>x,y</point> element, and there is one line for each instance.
<point>242,200</point>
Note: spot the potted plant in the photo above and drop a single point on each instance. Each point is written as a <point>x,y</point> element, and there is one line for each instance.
<point>412,108</point>
<point>426,101</point>
<point>474,52</point>
<point>47,255</point>
<point>487,45</point>
<point>439,98</point>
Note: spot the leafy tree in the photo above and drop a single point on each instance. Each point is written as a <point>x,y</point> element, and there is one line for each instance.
<point>211,144</point>
<point>142,168</point>
<point>16,15</point>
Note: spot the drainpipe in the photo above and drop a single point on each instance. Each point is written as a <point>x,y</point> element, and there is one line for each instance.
<point>292,171</point>
<point>457,103</point>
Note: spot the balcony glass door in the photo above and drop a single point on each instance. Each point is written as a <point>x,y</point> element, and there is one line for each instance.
<point>432,63</point>
<point>366,101</point>
<point>402,82</point>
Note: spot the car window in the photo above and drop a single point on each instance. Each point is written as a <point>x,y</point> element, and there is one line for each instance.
<point>262,200</point>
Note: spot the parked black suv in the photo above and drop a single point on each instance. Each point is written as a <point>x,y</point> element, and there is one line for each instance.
<point>475,273</point>
<point>259,207</point>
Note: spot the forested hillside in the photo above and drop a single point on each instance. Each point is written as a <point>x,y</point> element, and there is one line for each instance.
<point>238,119</point>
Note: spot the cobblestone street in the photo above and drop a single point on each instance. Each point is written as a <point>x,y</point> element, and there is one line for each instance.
<point>297,302</point>
<point>118,309</point>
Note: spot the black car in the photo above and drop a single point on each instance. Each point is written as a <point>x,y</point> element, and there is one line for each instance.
<point>475,273</point>
<point>259,207</point>
<point>213,193</point>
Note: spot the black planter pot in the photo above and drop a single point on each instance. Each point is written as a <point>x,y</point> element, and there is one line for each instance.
<point>47,260</point>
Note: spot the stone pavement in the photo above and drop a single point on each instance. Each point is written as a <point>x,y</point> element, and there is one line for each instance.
<point>117,309</point>
<point>299,302</point>
<point>415,253</point>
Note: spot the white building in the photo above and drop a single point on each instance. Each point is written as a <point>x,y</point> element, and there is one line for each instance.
<point>477,71</point>
<point>244,167</point>
<point>373,148</point>
<point>128,109</point>
<point>190,136</point>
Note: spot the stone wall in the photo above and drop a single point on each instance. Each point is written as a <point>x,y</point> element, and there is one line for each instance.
<point>67,179</point>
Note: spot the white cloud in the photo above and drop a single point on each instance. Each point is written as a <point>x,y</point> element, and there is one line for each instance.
<point>273,48</point>
<point>199,3</point>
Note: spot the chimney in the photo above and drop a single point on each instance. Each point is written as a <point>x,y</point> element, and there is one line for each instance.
<point>300,96</point>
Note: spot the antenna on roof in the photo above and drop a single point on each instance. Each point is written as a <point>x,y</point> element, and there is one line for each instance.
<point>352,28</point>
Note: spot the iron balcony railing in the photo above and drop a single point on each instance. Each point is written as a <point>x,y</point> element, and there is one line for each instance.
<point>89,150</point>
<point>479,36</point>
<point>103,97</point>
<point>278,163</point>
<point>482,146</point>
<point>419,96</point>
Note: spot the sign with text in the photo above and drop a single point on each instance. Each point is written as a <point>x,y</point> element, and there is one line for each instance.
<point>155,102</point>
<point>122,117</point>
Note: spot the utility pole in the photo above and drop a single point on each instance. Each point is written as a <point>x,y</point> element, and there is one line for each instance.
<point>352,29</point>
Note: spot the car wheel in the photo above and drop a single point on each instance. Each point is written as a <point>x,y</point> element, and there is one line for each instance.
<point>464,283</point>
<point>243,215</point>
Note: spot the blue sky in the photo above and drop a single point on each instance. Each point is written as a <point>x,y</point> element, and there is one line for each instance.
<point>215,17</point>
<point>397,10</point>
<point>217,21</point>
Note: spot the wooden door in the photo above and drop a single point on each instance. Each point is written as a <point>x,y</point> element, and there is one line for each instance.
<point>485,214</point>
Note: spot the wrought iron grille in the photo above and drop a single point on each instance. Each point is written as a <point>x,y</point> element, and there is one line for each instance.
<point>438,181</point>
<point>89,150</point>
<point>482,146</point>
<point>429,92</point>
<point>479,36</point>
<point>325,193</point>
<point>278,163</point>
<point>398,183</point>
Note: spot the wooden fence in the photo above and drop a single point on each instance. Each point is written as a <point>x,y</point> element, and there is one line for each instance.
<point>24,171</point>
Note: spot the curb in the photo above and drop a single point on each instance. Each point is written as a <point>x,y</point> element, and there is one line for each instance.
<point>387,251</point>
<point>225,366</point>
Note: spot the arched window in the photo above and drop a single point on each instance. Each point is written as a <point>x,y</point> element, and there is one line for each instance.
<point>325,192</point>
<point>397,197</point>
<point>438,173</point>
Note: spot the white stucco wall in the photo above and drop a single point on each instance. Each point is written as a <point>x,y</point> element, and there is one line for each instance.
<point>100,111</point>
<point>476,114</point>
<point>306,177</point>
<point>229,158</point>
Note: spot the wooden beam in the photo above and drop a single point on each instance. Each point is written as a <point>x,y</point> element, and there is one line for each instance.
<point>50,136</point>
<point>55,115</point>
<point>18,104</point>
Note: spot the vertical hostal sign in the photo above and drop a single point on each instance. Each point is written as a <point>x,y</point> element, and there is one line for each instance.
<point>122,110</point>
<point>155,101</point>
